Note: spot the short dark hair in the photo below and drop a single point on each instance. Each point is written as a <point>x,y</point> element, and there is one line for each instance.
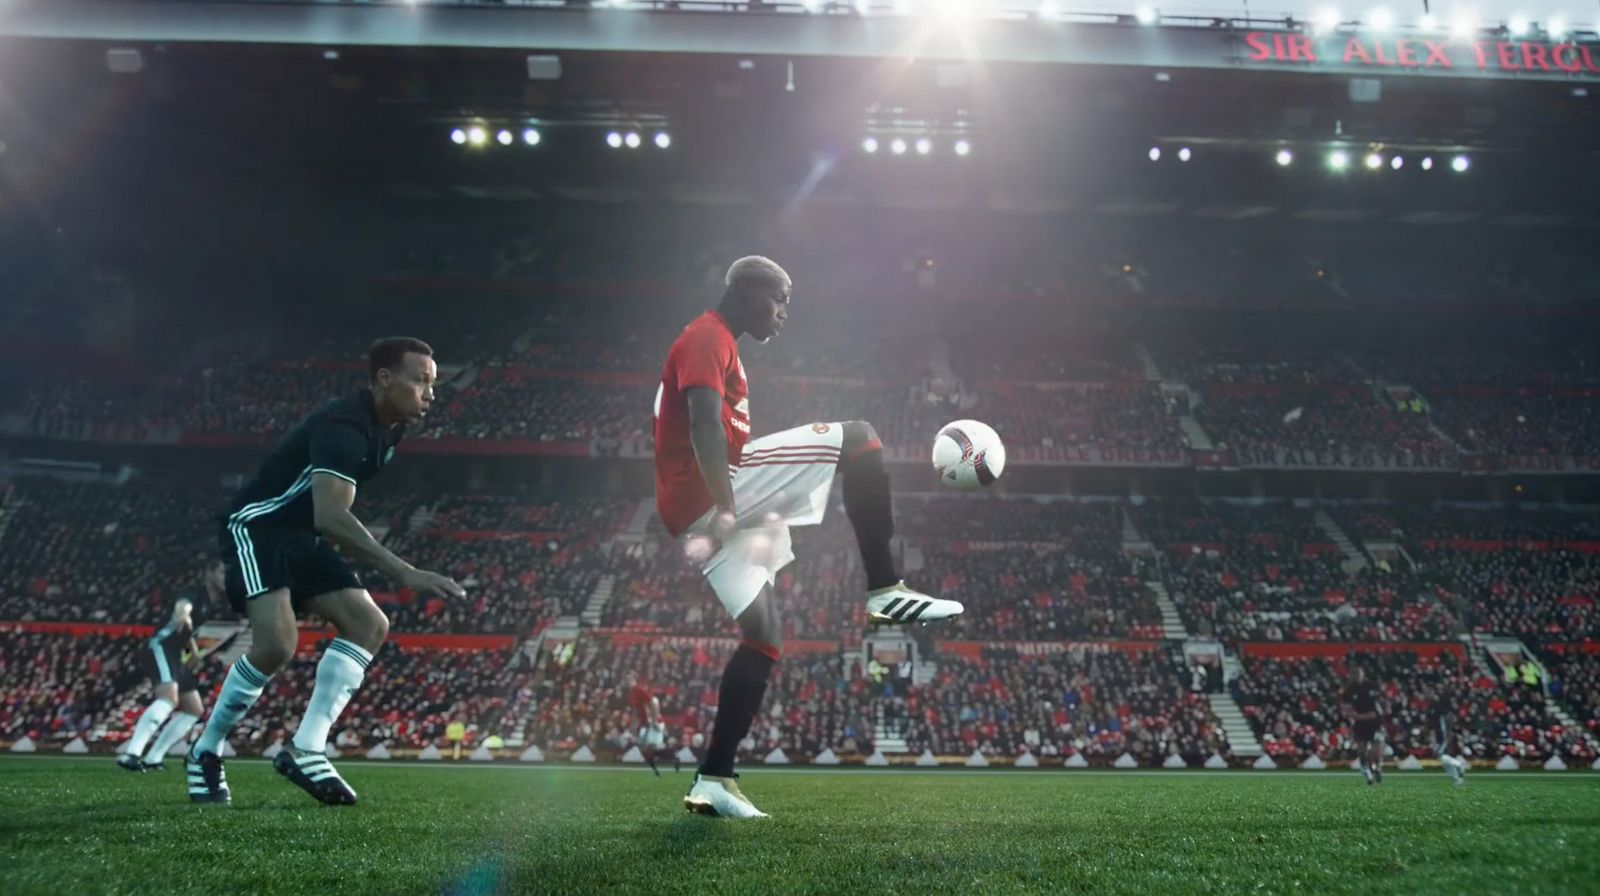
<point>388,352</point>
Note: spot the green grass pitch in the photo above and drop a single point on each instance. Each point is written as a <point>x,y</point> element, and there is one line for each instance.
<point>83,826</point>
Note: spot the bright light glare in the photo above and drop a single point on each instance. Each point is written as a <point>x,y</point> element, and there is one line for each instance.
<point>1338,160</point>
<point>1285,158</point>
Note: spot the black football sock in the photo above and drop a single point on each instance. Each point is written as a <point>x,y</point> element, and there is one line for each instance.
<point>867,503</point>
<point>744,683</point>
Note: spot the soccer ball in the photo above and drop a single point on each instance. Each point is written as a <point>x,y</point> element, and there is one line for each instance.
<point>968,455</point>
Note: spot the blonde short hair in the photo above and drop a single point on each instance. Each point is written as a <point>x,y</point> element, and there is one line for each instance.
<point>756,269</point>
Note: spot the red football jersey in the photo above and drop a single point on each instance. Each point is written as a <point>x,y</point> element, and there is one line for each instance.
<point>639,697</point>
<point>705,355</point>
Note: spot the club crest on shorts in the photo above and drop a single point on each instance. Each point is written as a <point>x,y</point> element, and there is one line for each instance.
<point>819,428</point>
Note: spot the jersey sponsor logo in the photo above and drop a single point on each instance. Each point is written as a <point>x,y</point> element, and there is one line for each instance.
<point>819,428</point>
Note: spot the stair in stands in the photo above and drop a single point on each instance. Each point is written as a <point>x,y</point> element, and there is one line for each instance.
<point>421,517</point>
<point>1147,362</point>
<point>638,524</point>
<point>595,609</point>
<point>1355,559</point>
<point>1199,439</point>
<point>887,736</point>
<point>1172,625</point>
<point>1241,737</point>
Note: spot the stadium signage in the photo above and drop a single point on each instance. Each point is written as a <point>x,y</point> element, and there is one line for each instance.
<point>1423,54</point>
<point>1551,463</point>
<point>1293,458</point>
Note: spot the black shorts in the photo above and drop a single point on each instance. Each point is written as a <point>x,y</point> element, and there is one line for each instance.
<point>162,665</point>
<point>259,559</point>
<point>1368,729</point>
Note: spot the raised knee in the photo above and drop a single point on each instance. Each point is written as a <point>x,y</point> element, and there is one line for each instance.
<point>380,630</point>
<point>269,659</point>
<point>370,630</point>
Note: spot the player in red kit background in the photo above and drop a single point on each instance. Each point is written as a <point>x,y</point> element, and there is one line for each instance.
<point>731,501</point>
<point>652,729</point>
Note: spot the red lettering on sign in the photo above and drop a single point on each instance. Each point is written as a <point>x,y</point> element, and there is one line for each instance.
<point>1257,42</point>
<point>1403,54</point>
<point>1381,57</point>
<point>1437,55</point>
<point>1570,62</point>
<point>1505,53</point>
<point>1300,49</point>
<point>1588,60</point>
<point>1354,50</point>
<point>1534,55</point>
<point>1483,57</point>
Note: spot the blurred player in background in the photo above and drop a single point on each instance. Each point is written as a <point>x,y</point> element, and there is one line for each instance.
<point>1445,743</point>
<point>1362,696</point>
<point>732,502</point>
<point>652,730</point>
<point>168,661</point>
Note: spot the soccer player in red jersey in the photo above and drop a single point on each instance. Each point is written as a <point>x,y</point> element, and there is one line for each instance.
<point>652,730</point>
<point>731,501</point>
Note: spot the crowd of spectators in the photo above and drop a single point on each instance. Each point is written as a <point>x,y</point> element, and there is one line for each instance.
<point>1266,572</point>
<point>1537,595</point>
<point>98,552</point>
<point>1094,702</point>
<point>1348,421</point>
<point>813,701</point>
<point>1295,707</point>
<point>408,697</point>
<point>109,552</point>
<point>1521,423</point>
<point>1575,680</point>
<point>57,687</point>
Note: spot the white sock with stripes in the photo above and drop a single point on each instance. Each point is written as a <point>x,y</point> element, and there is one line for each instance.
<point>339,673</point>
<point>145,728</point>
<point>177,729</point>
<point>240,690</point>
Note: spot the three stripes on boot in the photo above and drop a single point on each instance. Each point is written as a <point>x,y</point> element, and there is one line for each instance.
<point>905,609</point>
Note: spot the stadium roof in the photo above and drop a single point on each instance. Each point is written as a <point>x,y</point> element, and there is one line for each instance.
<point>1042,137</point>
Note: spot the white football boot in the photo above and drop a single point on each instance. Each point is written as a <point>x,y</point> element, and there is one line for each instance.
<point>898,604</point>
<point>711,795</point>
